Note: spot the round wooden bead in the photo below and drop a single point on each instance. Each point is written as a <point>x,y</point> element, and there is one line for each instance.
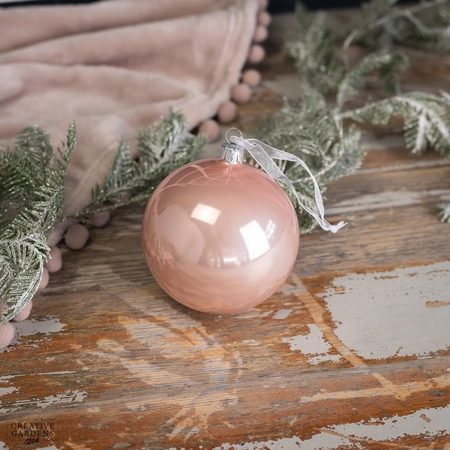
<point>55,261</point>
<point>100,219</point>
<point>76,236</point>
<point>251,77</point>
<point>261,34</point>
<point>256,54</point>
<point>210,128</point>
<point>58,231</point>
<point>264,18</point>
<point>24,313</point>
<point>6,334</point>
<point>227,112</point>
<point>241,93</point>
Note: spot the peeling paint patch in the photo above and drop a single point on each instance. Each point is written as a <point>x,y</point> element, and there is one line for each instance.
<point>31,327</point>
<point>312,343</point>
<point>8,390</point>
<point>282,314</point>
<point>6,378</point>
<point>66,397</point>
<point>425,423</point>
<point>324,358</point>
<point>383,314</point>
<point>279,444</point>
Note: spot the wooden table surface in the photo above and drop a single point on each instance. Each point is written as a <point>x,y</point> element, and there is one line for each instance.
<point>352,352</point>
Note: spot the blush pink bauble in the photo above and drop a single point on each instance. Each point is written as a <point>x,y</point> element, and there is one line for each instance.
<point>219,235</point>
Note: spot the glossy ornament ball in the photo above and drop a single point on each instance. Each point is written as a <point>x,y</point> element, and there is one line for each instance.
<point>219,235</point>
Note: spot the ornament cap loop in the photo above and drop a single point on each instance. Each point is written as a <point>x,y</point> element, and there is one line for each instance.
<point>232,153</point>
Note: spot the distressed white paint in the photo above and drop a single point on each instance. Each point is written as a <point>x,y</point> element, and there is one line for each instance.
<point>6,378</point>
<point>31,327</point>
<point>8,390</point>
<point>282,314</point>
<point>68,396</point>
<point>311,343</point>
<point>424,422</point>
<point>384,314</point>
<point>319,441</point>
<point>3,446</point>
<point>324,358</point>
<point>387,199</point>
<point>429,423</point>
<point>65,397</point>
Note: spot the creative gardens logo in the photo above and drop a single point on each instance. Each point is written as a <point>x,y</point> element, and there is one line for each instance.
<point>23,434</point>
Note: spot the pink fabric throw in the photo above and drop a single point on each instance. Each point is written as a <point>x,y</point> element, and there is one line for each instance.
<point>116,66</point>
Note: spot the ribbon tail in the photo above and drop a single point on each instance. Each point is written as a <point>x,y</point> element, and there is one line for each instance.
<point>264,155</point>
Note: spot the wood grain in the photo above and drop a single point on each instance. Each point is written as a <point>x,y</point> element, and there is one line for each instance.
<point>352,352</point>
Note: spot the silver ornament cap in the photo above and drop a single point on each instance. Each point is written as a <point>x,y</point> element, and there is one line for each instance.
<point>232,153</point>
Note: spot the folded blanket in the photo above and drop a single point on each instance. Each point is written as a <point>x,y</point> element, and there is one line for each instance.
<point>115,66</point>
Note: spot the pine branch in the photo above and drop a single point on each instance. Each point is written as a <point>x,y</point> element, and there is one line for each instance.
<point>314,52</point>
<point>31,199</point>
<point>383,23</point>
<point>163,148</point>
<point>315,128</point>
<point>388,65</point>
<point>309,129</point>
<point>426,119</point>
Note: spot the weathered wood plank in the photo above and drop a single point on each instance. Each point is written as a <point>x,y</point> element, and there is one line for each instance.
<point>352,352</point>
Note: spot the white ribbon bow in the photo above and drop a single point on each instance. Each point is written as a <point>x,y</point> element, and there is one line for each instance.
<point>264,155</point>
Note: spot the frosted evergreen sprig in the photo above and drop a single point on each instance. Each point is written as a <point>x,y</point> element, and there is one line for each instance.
<point>313,48</point>
<point>32,195</point>
<point>31,200</point>
<point>334,151</point>
<point>383,23</point>
<point>426,119</point>
<point>387,66</point>
<point>163,147</point>
<point>308,128</point>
